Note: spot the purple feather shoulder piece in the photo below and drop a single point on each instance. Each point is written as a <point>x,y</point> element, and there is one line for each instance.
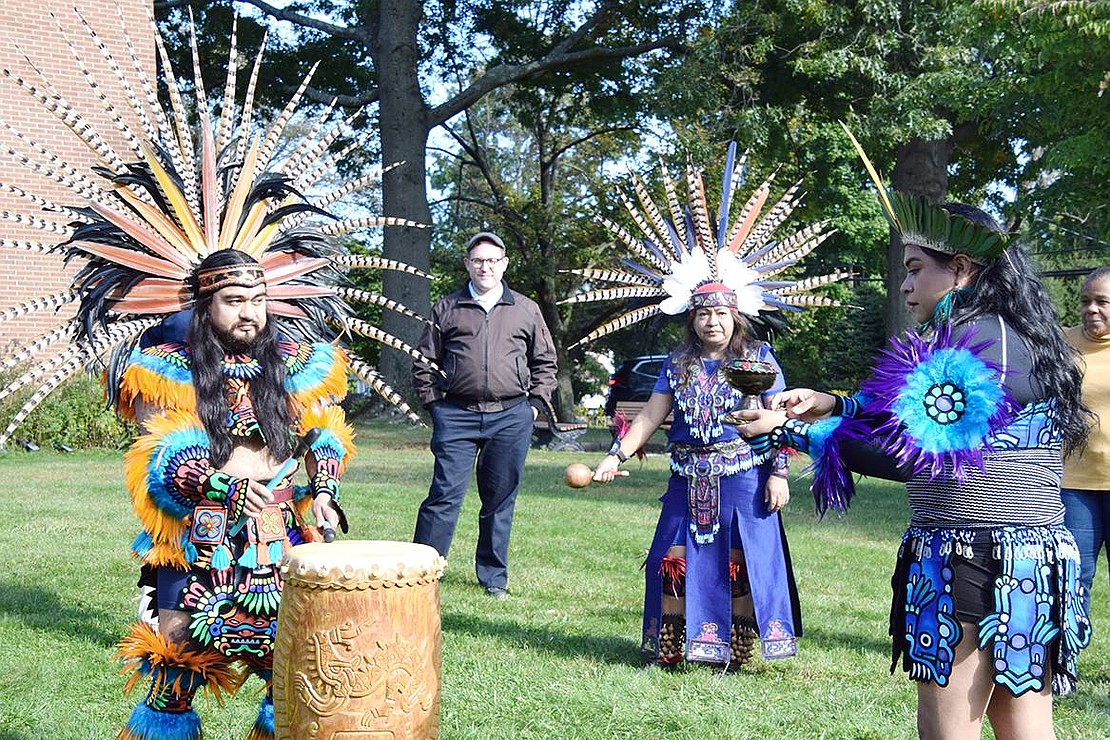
<point>940,401</point>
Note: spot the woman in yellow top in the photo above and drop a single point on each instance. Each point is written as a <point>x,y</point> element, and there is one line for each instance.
<point>1086,487</point>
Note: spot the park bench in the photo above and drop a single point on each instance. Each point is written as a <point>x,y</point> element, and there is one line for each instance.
<point>562,436</point>
<point>629,409</point>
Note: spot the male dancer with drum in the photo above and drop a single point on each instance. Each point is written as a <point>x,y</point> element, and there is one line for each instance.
<point>208,483</point>
<point>206,210</point>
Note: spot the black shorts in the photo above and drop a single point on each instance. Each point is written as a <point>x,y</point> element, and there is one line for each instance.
<point>171,583</point>
<point>973,582</point>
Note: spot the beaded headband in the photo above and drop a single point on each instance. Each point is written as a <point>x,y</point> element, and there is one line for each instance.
<point>712,295</point>
<point>217,278</point>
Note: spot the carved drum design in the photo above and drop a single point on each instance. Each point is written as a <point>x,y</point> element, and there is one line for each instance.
<point>357,655</point>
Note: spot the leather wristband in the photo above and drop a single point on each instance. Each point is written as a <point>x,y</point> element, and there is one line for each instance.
<point>615,451</point>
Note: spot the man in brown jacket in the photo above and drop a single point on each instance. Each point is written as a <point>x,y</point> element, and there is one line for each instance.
<point>497,352</point>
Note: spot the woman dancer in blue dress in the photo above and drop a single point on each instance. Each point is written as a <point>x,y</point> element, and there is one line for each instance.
<point>718,573</point>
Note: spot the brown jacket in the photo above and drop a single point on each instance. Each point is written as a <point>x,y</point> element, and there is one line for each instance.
<point>492,360</point>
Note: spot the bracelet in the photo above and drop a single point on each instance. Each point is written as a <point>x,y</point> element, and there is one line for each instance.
<point>785,473</point>
<point>616,452</point>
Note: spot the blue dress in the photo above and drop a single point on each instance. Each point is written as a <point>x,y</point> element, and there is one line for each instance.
<point>713,504</point>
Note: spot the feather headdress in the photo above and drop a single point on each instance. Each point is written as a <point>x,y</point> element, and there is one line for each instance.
<point>921,223</point>
<point>147,216</point>
<point>685,247</point>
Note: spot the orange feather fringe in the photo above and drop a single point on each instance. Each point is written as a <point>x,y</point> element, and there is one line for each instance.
<point>144,644</point>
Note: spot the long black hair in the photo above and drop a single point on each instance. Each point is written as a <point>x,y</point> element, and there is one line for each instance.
<point>1010,287</point>
<point>267,391</point>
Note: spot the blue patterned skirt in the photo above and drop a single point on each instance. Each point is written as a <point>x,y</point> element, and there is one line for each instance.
<point>1037,625</point>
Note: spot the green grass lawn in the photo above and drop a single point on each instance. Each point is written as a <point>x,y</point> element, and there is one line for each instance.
<point>559,659</point>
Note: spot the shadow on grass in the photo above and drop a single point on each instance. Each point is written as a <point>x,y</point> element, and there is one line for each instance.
<point>831,639</point>
<point>615,650</point>
<point>41,609</point>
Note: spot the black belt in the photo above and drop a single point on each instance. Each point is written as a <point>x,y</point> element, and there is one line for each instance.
<point>486,405</point>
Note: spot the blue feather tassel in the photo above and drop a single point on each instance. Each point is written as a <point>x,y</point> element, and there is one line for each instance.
<point>221,557</point>
<point>142,545</point>
<point>264,723</point>
<point>277,549</point>
<point>190,550</point>
<point>249,558</point>
<point>150,724</point>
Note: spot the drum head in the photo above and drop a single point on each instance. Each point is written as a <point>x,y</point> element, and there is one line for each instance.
<point>360,564</point>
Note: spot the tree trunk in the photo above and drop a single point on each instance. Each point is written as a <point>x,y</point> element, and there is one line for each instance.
<point>404,136</point>
<point>920,168</point>
<point>563,397</point>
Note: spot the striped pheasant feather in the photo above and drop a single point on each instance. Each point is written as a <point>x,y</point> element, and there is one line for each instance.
<point>124,83</point>
<point>36,345</point>
<point>772,220</point>
<point>366,261</point>
<point>348,225</point>
<point>42,204</point>
<point>70,368</point>
<point>41,303</point>
<point>810,301</point>
<point>46,367</point>
<point>659,225</point>
<point>150,95</point>
<point>372,378</point>
<point>35,222</point>
<point>302,164</point>
<point>677,216</point>
<point>180,144</point>
<point>121,126</point>
<point>626,319</point>
<point>246,118</point>
<point>808,284</point>
<point>616,294</point>
<point>768,268</point>
<point>611,276</point>
<point>52,166</point>
<point>27,246</point>
<point>368,330</point>
<point>701,245</point>
<point>699,212</point>
<point>273,136</point>
<point>374,299</point>
<point>633,244</point>
<point>51,100</point>
<point>225,130</point>
<point>640,221</point>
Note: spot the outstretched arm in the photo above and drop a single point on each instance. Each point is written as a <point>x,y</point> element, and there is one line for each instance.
<point>651,416</point>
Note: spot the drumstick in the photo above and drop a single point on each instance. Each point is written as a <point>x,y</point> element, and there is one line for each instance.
<point>286,468</point>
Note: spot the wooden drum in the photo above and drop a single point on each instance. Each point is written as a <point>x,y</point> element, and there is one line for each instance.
<point>357,655</point>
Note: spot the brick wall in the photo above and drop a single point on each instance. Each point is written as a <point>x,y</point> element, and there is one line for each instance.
<point>34,28</point>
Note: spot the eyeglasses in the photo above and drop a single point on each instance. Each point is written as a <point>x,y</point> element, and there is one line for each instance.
<point>481,262</point>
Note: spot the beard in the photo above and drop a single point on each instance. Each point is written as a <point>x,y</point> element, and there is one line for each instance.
<point>236,344</point>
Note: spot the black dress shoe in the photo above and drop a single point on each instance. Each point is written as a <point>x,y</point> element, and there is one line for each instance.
<point>497,592</point>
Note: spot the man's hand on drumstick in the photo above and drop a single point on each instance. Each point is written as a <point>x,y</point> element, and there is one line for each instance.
<point>326,516</point>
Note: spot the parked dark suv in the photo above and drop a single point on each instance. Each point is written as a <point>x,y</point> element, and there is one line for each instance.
<point>633,380</point>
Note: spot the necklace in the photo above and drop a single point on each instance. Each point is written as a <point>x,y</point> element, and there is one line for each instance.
<point>703,396</point>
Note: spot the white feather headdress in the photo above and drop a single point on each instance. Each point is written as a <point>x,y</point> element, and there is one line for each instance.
<point>684,247</point>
